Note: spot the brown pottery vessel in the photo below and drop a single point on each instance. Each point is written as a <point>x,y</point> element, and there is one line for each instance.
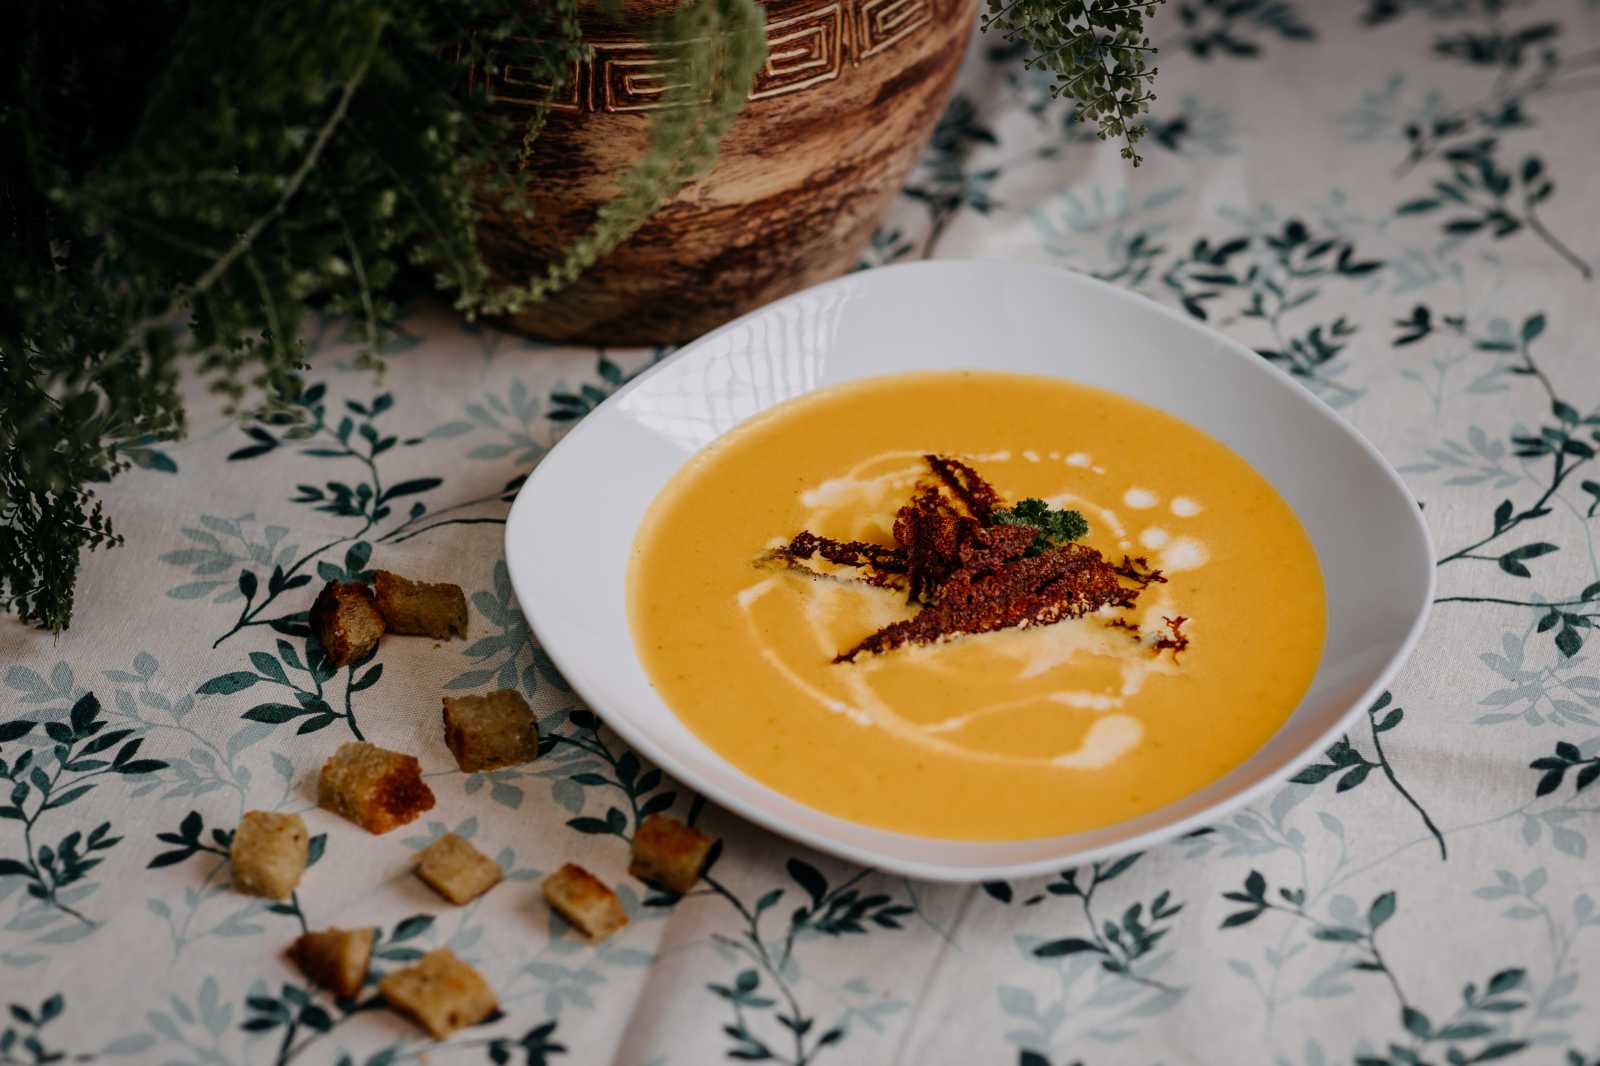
<point>848,97</point>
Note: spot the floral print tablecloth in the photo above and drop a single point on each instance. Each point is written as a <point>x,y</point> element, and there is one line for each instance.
<point>1393,200</point>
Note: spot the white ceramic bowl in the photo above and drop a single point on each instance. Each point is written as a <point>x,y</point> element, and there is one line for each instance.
<point>569,534</point>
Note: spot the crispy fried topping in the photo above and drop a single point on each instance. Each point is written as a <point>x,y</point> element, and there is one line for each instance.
<point>974,572</point>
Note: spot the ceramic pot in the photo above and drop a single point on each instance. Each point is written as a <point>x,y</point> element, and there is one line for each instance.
<point>848,97</point>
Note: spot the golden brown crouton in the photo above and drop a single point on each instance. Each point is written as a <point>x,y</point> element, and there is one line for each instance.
<point>374,788</point>
<point>440,993</point>
<point>269,853</point>
<point>489,732</point>
<point>456,870</point>
<point>336,959</point>
<point>580,898</point>
<point>346,621</point>
<point>418,609</point>
<point>669,854</point>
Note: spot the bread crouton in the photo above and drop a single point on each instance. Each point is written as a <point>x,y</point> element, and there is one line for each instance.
<point>346,621</point>
<point>490,732</point>
<point>580,898</point>
<point>336,959</point>
<point>669,854</point>
<point>456,870</point>
<point>440,993</point>
<point>269,853</point>
<point>375,788</point>
<point>418,609</point>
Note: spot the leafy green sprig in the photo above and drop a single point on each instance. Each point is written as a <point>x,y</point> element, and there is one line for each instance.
<point>1097,50</point>
<point>1056,527</point>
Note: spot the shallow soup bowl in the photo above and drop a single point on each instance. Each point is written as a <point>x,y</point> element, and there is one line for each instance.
<point>570,532</point>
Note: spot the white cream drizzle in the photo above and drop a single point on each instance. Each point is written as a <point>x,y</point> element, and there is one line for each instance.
<point>874,489</point>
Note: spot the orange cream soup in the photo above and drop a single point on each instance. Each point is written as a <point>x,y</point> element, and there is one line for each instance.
<point>1006,735</point>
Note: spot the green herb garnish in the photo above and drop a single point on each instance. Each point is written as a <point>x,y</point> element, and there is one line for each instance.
<point>1055,527</point>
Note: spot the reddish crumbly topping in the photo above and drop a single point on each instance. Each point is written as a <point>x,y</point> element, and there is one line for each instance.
<point>1174,637</point>
<point>973,575</point>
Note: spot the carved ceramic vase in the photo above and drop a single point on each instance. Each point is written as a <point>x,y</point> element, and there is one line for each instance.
<point>848,97</point>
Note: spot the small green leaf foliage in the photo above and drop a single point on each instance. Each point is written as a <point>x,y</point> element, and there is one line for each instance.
<point>536,1047</point>
<point>304,673</point>
<point>840,912</point>
<point>292,1008</point>
<point>1056,527</point>
<point>1342,759</point>
<point>326,167</point>
<point>1276,274</point>
<point>1119,943</point>
<point>1482,196</point>
<point>765,986</point>
<point>1228,27</point>
<point>188,841</point>
<point>1475,1032</point>
<point>569,405</point>
<point>1098,52</point>
<point>23,1032</point>
<point>80,751</point>
<point>1257,899</point>
<point>1566,758</point>
<point>1512,561</point>
<point>584,759</point>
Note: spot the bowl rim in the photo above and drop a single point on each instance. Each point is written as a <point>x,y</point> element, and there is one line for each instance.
<point>541,621</point>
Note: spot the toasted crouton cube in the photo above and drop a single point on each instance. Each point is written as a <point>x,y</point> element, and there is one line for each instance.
<point>336,959</point>
<point>456,870</point>
<point>346,621</point>
<point>580,898</point>
<point>490,732</point>
<point>375,788</point>
<point>269,853</point>
<point>440,993</point>
<point>669,854</point>
<point>418,609</point>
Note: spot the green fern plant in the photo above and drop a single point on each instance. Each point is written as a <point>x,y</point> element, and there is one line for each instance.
<point>186,184</point>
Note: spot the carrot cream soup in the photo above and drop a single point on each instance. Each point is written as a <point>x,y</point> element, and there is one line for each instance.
<point>976,605</point>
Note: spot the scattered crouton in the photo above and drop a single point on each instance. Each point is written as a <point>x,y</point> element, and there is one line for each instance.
<point>374,788</point>
<point>490,732</point>
<point>440,993</point>
<point>346,621</point>
<point>580,898</point>
<point>456,870</point>
<point>336,959</point>
<point>669,854</point>
<point>418,609</point>
<point>269,853</point>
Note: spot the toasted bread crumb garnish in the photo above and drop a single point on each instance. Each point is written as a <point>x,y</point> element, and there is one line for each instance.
<point>491,731</point>
<point>269,853</point>
<point>456,870</point>
<point>579,897</point>
<point>374,788</point>
<point>336,959</point>
<point>669,854</point>
<point>420,609</point>
<point>440,993</point>
<point>346,621</point>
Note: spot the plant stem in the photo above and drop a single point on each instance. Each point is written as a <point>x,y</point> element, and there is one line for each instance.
<point>349,711</point>
<point>1534,223</point>
<point>202,284</point>
<point>758,952</point>
<point>448,522</point>
<point>1383,760</point>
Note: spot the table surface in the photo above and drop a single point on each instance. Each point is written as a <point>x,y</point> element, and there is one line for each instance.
<point>1397,213</point>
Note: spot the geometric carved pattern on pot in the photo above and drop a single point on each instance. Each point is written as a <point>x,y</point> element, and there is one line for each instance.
<point>802,50</point>
<point>805,48</point>
<point>882,24</point>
